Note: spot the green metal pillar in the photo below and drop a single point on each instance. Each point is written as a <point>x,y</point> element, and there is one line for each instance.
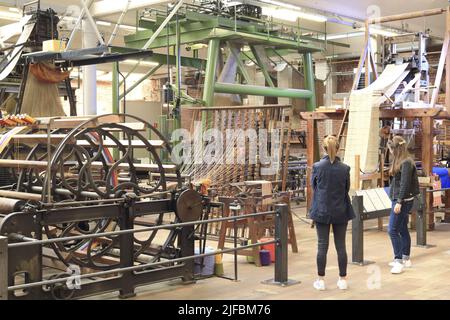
<point>308,71</point>
<point>137,83</point>
<point>311,103</point>
<point>210,72</point>
<point>210,78</point>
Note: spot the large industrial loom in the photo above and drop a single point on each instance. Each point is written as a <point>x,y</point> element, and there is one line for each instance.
<point>60,180</point>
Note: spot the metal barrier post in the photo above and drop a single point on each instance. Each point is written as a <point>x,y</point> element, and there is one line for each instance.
<point>3,268</point>
<point>358,232</point>
<point>421,223</point>
<point>281,248</point>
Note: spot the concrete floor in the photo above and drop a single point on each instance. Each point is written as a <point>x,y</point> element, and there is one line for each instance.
<point>429,278</point>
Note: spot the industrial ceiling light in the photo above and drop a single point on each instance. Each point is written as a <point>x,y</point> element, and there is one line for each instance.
<point>142,63</point>
<point>289,12</point>
<point>9,15</point>
<point>282,14</point>
<point>383,32</point>
<point>103,23</point>
<point>342,35</point>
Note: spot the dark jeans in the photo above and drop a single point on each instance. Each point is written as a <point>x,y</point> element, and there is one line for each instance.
<point>323,235</point>
<point>398,230</point>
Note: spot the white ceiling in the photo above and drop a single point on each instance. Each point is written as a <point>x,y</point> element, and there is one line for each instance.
<point>360,9</point>
<point>355,9</point>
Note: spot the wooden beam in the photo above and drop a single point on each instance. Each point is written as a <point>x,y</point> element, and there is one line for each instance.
<point>436,113</point>
<point>322,115</point>
<point>357,173</point>
<point>406,16</point>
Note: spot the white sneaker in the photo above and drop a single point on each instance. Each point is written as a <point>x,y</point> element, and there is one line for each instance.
<point>319,285</point>
<point>342,284</point>
<point>397,268</point>
<point>407,263</point>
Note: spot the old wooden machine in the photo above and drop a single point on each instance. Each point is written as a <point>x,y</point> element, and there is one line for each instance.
<point>60,180</point>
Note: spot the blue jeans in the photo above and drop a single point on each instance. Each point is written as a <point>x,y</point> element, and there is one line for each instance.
<point>398,231</point>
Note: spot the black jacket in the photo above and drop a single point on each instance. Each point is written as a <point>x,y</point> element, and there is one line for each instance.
<point>405,183</point>
<point>331,184</point>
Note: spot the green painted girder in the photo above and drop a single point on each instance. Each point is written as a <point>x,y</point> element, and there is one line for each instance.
<point>160,58</point>
<point>194,21</point>
<point>138,40</point>
<point>232,88</point>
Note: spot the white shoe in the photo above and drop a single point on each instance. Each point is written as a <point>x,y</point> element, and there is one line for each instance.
<point>342,284</point>
<point>407,263</point>
<point>319,285</point>
<point>397,268</point>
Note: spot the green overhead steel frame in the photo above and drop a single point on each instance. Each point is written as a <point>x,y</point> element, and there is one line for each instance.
<point>193,27</point>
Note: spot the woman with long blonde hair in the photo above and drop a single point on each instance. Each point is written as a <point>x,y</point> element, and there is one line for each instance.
<point>404,187</point>
<point>331,207</point>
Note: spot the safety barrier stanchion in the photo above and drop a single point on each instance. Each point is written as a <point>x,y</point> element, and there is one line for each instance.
<point>281,248</point>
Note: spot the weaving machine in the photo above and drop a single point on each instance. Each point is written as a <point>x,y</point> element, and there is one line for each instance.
<point>65,182</point>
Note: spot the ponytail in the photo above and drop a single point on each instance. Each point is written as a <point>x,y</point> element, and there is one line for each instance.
<point>331,146</point>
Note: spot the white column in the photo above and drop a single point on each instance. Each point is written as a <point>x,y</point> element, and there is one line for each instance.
<point>89,73</point>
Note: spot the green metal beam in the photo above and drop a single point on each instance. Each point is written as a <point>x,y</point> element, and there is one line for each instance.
<point>195,21</point>
<point>310,85</point>
<point>241,66</point>
<point>210,72</point>
<point>137,83</point>
<point>231,88</point>
<point>161,59</point>
<point>202,35</point>
<point>263,67</point>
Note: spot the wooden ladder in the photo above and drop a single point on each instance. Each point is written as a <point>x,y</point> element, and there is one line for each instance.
<point>342,135</point>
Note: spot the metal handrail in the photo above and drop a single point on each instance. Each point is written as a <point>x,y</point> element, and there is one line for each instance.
<point>280,241</point>
<point>135,268</point>
<point>30,241</point>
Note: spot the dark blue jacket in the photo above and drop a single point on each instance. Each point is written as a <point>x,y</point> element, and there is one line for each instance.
<point>331,184</point>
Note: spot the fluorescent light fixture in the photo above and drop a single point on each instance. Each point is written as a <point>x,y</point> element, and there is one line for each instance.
<point>311,17</point>
<point>381,32</point>
<point>8,15</point>
<point>130,28</point>
<point>103,23</point>
<point>343,35</point>
<point>289,12</point>
<point>142,63</point>
<point>282,14</point>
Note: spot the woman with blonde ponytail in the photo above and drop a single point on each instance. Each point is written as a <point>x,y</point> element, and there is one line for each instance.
<point>331,207</point>
<point>403,189</point>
